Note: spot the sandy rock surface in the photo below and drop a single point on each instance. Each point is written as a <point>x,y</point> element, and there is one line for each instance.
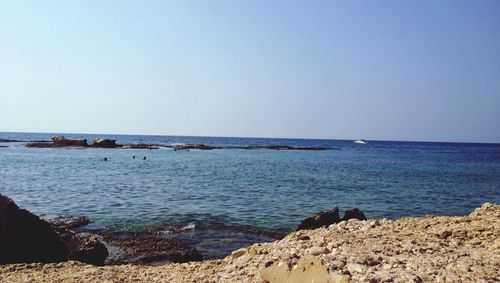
<point>428,249</point>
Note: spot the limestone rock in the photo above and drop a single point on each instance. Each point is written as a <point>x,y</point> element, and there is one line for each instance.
<point>237,253</point>
<point>276,273</point>
<point>316,250</point>
<point>309,269</point>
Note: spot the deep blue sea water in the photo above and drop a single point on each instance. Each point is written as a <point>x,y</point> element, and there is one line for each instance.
<point>264,189</point>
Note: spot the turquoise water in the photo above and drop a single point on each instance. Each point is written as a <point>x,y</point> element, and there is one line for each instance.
<point>264,189</point>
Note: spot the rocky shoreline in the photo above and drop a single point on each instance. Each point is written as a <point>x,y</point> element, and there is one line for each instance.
<point>64,142</point>
<point>427,249</point>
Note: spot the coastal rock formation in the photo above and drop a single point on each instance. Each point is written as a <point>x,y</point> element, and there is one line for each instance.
<point>353,214</point>
<point>59,141</point>
<point>89,250</point>
<point>325,218</point>
<point>63,141</point>
<point>82,247</point>
<point>141,247</point>
<point>320,219</point>
<point>40,144</point>
<point>24,237</point>
<point>147,249</point>
<point>105,143</point>
<point>427,249</point>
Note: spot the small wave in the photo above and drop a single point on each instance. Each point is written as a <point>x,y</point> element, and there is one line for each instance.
<point>176,144</point>
<point>189,226</point>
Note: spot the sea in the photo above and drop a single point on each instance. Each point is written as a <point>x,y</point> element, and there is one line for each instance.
<point>230,198</point>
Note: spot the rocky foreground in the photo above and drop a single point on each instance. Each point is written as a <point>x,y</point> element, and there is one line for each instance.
<point>428,249</point>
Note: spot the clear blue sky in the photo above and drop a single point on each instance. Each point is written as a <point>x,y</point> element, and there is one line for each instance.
<point>392,70</point>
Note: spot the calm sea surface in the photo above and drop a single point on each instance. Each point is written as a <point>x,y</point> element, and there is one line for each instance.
<point>264,189</point>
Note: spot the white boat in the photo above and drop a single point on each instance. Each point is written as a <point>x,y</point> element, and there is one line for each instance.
<point>361,141</point>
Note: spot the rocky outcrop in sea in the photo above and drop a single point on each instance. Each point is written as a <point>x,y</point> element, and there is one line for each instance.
<point>61,142</point>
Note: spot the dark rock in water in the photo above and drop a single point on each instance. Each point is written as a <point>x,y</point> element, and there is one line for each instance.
<point>63,141</point>
<point>138,249</point>
<point>105,143</point>
<point>25,238</point>
<point>320,219</point>
<point>198,146</point>
<point>82,247</point>
<point>69,222</point>
<point>9,140</point>
<point>89,250</point>
<point>60,141</point>
<point>354,214</point>
<point>40,144</point>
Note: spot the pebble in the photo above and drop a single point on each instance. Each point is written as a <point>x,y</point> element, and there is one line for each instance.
<point>337,264</point>
<point>316,250</point>
<point>237,253</point>
<point>243,260</point>
<point>355,267</point>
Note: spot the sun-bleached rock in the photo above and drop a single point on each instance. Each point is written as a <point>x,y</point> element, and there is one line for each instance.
<point>237,253</point>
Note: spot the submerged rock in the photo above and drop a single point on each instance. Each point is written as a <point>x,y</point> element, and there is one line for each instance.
<point>198,146</point>
<point>25,238</point>
<point>137,249</point>
<point>143,146</point>
<point>69,222</point>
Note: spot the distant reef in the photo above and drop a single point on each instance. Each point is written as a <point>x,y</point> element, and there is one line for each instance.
<point>61,141</point>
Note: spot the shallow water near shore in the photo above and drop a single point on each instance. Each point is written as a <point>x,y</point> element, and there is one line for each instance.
<point>261,190</point>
